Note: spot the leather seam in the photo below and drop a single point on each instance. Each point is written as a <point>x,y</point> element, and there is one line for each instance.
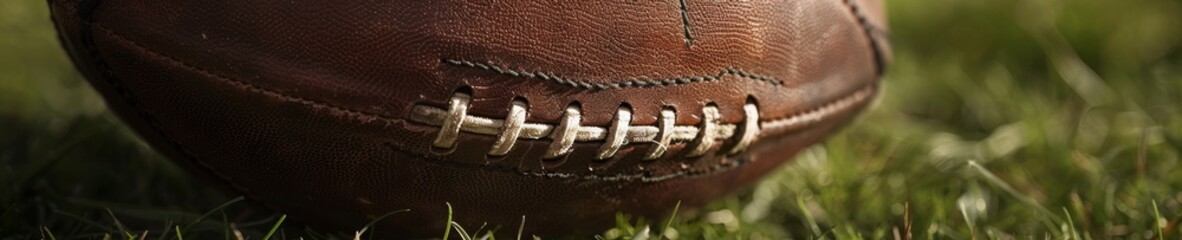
<point>318,104</point>
<point>302,100</point>
<point>794,123</point>
<point>85,11</point>
<point>868,31</point>
<point>710,130</point>
<point>244,85</point>
<point>685,24</point>
<point>647,177</point>
<point>455,119</point>
<point>635,82</point>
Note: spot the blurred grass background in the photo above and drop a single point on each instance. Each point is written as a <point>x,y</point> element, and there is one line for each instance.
<point>1001,119</point>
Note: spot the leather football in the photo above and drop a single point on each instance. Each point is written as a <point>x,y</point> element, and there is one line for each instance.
<point>564,112</point>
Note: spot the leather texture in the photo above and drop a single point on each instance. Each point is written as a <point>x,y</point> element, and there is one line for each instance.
<point>305,106</point>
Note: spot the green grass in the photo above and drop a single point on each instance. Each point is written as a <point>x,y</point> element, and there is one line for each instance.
<point>1052,119</point>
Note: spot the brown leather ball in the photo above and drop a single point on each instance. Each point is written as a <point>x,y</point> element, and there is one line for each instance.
<point>564,112</point>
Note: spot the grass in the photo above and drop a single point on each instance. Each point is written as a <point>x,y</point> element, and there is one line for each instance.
<point>1002,119</point>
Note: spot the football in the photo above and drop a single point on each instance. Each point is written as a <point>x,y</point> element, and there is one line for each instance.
<point>563,113</point>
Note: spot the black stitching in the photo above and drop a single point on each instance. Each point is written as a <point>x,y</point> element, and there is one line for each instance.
<point>685,23</point>
<point>633,82</point>
<point>869,30</point>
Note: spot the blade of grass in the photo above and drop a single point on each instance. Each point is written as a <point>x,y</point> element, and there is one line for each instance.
<point>481,228</point>
<point>1071,225</point>
<point>212,211</point>
<point>997,182</point>
<point>85,221</point>
<point>275,227</point>
<point>642,234</point>
<point>264,222</point>
<point>375,221</point>
<point>227,227</point>
<point>521,227</point>
<point>1158,221</point>
<point>460,231</point>
<point>164,232</point>
<point>1081,211</point>
<point>118,224</point>
<point>968,221</point>
<point>237,233</point>
<point>178,232</point>
<point>907,220</point>
<point>668,224</point>
<point>808,217</point>
<point>447,229</point>
<point>48,234</point>
<point>131,210</point>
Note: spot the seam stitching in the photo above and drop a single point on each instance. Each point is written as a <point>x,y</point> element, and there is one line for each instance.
<point>704,135</point>
<point>795,123</point>
<point>685,23</point>
<point>814,115</point>
<point>635,82</point>
<point>455,119</point>
<point>868,30</point>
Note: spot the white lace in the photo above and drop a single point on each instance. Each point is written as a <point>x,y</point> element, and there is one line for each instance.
<point>701,138</point>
